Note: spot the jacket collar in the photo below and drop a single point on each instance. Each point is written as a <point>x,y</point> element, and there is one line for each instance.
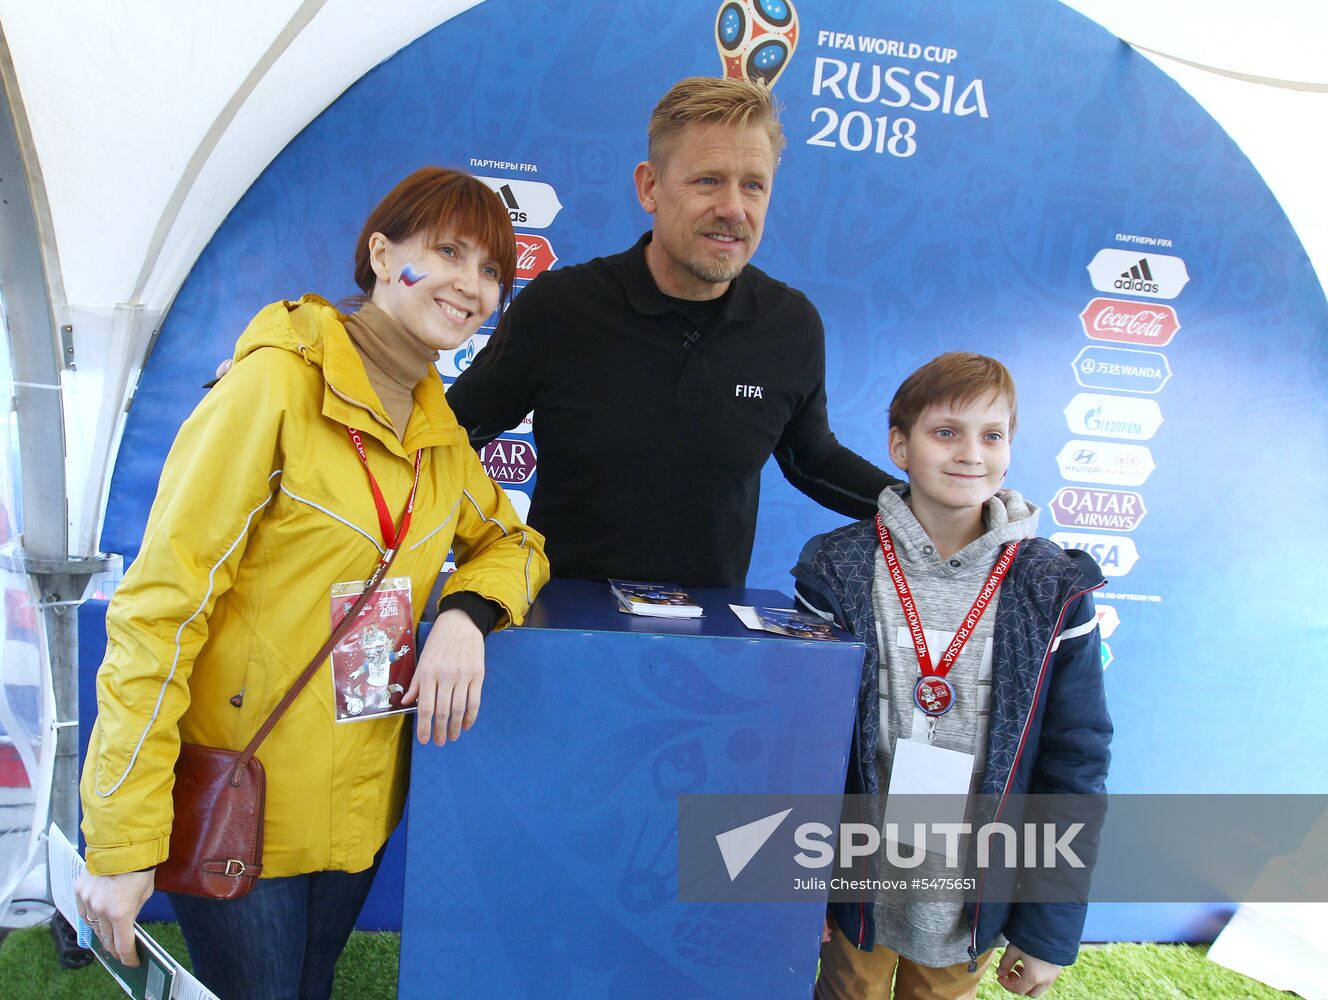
<point>741,304</point>
<point>312,328</point>
<point>349,398</point>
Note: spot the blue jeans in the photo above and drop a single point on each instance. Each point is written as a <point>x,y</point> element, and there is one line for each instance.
<point>281,941</point>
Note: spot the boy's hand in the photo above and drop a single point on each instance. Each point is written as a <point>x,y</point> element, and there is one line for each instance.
<point>1031,978</point>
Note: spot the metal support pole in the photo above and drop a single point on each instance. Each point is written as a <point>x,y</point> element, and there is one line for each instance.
<point>61,583</point>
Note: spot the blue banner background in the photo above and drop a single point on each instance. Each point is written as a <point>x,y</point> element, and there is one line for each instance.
<point>979,240</point>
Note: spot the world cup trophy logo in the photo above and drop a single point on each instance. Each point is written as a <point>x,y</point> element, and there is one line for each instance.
<point>756,38</point>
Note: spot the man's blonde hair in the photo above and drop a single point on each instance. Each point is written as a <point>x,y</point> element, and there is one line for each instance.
<point>717,101</point>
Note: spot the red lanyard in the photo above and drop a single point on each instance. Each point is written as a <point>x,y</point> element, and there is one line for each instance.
<point>391,538</point>
<point>938,698</point>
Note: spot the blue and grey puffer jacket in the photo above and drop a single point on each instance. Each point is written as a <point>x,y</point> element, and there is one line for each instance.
<point>1049,727</point>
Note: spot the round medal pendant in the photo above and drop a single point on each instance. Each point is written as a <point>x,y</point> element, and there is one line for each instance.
<point>934,695</point>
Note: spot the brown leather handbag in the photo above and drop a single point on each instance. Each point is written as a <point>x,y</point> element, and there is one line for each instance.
<point>217,834</point>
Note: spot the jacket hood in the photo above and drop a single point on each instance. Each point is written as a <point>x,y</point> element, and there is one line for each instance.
<point>298,326</point>
<point>1007,516</point>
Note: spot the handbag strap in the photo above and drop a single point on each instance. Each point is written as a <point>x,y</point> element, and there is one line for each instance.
<point>348,619</point>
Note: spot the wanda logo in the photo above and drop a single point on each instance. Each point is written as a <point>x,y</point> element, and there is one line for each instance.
<point>1121,322</point>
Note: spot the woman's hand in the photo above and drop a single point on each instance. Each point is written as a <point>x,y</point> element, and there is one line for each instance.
<point>1032,978</point>
<point>448,678</point>
<point>110,903</point>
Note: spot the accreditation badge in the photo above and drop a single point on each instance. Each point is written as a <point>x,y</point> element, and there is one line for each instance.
<point>374,662</point>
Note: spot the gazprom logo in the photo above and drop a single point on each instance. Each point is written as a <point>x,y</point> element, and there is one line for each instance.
<point>452,363</point>
<point>1113,416</point>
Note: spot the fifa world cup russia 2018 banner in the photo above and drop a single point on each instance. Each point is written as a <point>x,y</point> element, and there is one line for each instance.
<point>995,175</point>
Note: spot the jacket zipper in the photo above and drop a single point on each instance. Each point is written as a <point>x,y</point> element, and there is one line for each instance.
<point>1023,739</point>
<point>363,406</point>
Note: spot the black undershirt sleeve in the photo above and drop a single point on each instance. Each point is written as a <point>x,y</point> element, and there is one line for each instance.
<point>498,389</point>
<point>482,611</point>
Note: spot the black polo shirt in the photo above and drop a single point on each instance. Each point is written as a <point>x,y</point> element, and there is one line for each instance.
<point>650,433</point>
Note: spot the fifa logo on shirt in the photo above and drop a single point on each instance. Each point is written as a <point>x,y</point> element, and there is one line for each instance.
<point>749,391</point>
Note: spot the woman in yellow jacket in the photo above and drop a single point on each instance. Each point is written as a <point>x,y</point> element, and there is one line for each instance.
<point>265,504</point>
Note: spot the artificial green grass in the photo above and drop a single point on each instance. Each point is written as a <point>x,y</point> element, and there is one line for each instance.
<point>29,970</point>
<point>368,971</point>
<point>1143,972</point>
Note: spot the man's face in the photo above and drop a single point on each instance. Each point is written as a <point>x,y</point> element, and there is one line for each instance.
<point>709,197</point>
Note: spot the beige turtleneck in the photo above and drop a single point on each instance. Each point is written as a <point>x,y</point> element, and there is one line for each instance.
<point>393,359</point>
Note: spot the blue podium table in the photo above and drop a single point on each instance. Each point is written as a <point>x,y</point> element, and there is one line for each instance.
<point>541,851</point>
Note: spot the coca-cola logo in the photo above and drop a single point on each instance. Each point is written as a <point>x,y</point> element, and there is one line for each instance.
<point>1122,322</point>
<point>508,461</point>
<point>534,255</point>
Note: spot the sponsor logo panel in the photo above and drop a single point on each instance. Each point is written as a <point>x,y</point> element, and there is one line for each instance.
<point>508,461</point>
<point>1152,275</point>
<point>1113,416</point>
<point>1116,554</point>
<point>1112,510</point>
<point>452,363</point>
<point>1121,369</point>
<point>533,204</point>
<point>1105,462</point>
<point>520,502</point>
<point>1121,322</point>
<point>1108,620</point>
<point>534,255</point>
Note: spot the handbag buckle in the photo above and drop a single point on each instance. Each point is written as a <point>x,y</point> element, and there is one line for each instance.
<point>234,868</point>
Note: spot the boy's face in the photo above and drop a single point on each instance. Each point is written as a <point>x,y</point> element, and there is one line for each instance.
<point>956,455</point>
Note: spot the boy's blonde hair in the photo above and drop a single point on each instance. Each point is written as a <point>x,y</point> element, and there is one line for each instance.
<point>958,377</point>
<point>714,100</point>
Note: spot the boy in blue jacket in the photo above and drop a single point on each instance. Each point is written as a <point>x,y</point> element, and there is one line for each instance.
<point>982,641</point>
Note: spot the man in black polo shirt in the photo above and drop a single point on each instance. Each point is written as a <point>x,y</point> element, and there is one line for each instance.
<point>663,378</point>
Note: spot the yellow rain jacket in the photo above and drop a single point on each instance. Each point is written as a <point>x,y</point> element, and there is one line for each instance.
<point>263,506</point>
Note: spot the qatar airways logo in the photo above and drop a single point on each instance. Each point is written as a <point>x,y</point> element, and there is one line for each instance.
<point>508,461</point>
<point>1082,507</point>
<point>1122,322</point>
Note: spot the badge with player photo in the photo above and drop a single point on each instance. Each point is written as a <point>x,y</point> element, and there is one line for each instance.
<point>374,662</point>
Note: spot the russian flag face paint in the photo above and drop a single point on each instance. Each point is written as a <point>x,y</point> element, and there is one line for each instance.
<point>409,275</point>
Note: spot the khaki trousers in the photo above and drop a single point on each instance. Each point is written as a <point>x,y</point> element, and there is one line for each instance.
<point>850,974</point>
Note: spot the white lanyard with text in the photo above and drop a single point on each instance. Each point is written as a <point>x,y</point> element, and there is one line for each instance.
<point>933,694</point>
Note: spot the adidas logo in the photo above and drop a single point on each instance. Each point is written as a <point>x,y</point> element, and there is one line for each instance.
<point>1138,278</point>
<point>513,206</point>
